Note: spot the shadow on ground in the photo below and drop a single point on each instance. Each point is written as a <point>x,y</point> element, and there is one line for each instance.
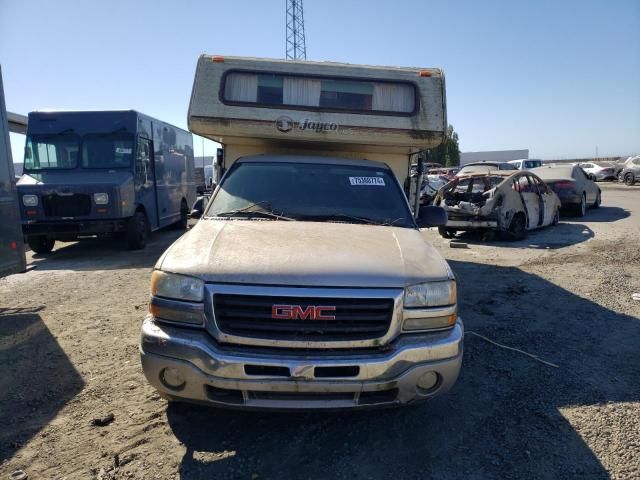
<point>603,214</point>
<point>549,238</point>
<point>30,358</point>
<point>502,419</point>
<point>104,254</point>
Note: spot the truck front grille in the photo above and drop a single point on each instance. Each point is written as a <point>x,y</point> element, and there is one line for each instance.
<point>252,316</point>
<point>76,205</point>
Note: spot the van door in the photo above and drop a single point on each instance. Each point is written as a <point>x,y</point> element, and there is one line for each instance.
<point>145,185</point>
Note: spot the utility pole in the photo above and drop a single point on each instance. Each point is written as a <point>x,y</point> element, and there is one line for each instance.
<point>295,44</point>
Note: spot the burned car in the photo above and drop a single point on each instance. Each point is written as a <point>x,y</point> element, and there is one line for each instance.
<point>502,201</point>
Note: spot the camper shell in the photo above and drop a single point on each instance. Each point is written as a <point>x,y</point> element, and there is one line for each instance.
<point>254,105</point>
<point>103,173</point>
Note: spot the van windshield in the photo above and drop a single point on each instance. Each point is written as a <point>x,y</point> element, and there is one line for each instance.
<point>311,192</point>
<point>107,151</point>
<point>65,151</point>
<point>51,152</point>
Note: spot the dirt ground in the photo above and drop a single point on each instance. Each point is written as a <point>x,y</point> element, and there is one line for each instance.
<point>68,353</point>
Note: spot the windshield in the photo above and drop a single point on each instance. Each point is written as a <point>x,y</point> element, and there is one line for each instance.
<point>51,152</point>
<point>313,192</point>
<point>64,151</point>
<point>106,151</point>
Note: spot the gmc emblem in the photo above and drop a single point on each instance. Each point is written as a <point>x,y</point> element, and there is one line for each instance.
<point>296,312</point>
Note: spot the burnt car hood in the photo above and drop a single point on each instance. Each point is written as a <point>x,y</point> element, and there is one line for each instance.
<point>310,254</point>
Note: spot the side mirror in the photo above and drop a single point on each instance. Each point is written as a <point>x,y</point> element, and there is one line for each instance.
<point>195,213</point>
<point>431,216</point>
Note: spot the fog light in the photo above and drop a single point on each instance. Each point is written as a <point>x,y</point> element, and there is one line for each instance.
<point>428,380</point>
<point>172,378</point>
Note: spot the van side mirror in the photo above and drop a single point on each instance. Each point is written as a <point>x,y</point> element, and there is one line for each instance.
<point>431,216</point>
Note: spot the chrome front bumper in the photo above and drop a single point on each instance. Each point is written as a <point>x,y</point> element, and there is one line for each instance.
<point>286,379</point>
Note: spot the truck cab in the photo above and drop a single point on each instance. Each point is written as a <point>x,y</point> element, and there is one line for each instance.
<point>117,173</point>
<point>306,282</point>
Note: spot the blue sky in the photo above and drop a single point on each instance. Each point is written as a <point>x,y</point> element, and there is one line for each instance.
<point>561,78</point>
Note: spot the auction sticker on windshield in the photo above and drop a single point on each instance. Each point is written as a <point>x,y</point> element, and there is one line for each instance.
<point>371,181</point>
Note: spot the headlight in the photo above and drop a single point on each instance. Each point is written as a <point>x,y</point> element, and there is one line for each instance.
<point>180,287</point>
<point>430,294</point>
<point>30,200</point>
<point>101,198</point>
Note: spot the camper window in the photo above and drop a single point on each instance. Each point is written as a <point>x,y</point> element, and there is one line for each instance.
<point>321,93</point>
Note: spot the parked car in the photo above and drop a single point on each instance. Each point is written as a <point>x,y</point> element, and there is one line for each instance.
<point>485,167</point>
<point>630,171</point>
<point>526,163</point>
<point>448,173</point>
<point>502,201</point>
<point>430,187</point>
<point>573,187</point>
<point>598,171</point>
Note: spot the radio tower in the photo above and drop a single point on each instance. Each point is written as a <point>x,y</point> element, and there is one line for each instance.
<point>296,48</point>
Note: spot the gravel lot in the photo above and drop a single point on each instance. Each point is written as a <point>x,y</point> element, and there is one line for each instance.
<point>68,348</point>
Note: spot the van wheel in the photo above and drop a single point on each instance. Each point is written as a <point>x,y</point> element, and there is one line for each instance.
<point>41,243</point>
<point>629,179</point>
<point>447,232</point>
<point>518,227</point>
<point>137,231</point>
<point>581,208</point>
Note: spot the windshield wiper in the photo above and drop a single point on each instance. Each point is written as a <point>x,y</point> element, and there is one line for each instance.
<point>344,218</point>
<point>252,213</point>
<point>265,212</point>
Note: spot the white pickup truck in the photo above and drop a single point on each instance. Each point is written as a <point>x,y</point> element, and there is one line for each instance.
<point>306,283</point>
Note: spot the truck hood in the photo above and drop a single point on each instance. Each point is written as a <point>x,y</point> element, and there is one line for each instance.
<point>309,254</point>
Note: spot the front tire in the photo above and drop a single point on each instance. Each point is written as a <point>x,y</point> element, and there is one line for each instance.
<point>598,201</point>
<point>40,243</point>
<point>556,217</point>
<point>629,179</point>
<point>183,223</point>
<point>581,208</point>
<point>446,232</point>
<point>518,227</point>
<point>137,231</point>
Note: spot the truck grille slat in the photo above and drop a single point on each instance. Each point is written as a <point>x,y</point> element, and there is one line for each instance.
<point>251,316</point>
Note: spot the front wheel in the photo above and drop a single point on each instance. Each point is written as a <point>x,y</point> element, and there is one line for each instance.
<point>183,223</point>
<point>581,208</point>
<point>446,232</point>
<point>556,217</point>
<point>629,179</point>
<point>518,227</point>
<point>137,231</point>
<point>41,243</point>
<point>598,201</point>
